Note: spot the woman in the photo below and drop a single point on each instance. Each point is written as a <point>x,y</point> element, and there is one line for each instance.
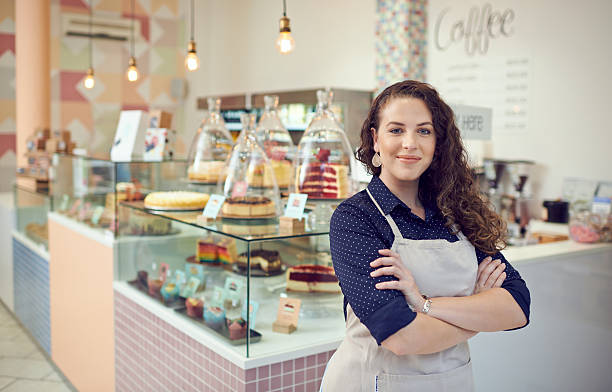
<point>417,255</point>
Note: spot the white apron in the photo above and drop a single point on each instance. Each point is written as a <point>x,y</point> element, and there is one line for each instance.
<point>440,269</point>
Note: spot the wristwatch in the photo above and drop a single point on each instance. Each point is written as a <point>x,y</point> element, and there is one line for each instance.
<point>426,305</point>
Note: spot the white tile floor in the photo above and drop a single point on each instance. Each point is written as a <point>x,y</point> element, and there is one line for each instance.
<point>24,367</point>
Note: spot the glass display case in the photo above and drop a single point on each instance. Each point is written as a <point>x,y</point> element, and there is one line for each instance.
<point>31,210</point>
<point>229,276</point>
<point>87,189</point>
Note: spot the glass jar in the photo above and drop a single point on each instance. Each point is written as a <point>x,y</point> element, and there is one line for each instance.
<point>276,141</point>
<point>324,158</point>
<point>210,148</point>
<point>250,188</point>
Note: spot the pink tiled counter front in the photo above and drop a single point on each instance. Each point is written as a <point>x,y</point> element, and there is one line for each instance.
<point>152,355</point>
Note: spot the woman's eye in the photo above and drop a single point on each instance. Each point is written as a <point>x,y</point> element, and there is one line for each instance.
<point>424,131</point>
<point>396,130</point>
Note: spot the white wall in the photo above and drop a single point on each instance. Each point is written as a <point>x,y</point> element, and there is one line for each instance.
<point>569,47</point>
<point>334,47</point>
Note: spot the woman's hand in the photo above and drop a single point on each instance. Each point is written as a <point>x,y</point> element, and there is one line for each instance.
<point>391,264</point>
<point>490,274</point>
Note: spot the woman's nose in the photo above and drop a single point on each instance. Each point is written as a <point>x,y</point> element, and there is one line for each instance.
<point>409,140</point>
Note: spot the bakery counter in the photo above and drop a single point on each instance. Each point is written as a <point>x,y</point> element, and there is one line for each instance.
<point>158,348</point>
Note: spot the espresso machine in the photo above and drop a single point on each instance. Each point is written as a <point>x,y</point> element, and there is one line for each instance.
<point>506,180</point>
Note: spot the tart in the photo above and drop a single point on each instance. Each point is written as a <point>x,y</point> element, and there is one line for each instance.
<point>178,200</point>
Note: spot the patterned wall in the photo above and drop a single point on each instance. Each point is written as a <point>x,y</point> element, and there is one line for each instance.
<point>31,285</point>
<point>7,86</point>
<point>92,115</point>
<point>401,41</point>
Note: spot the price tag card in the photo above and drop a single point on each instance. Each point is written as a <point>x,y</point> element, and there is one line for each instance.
<point>84,211</point>
<point>233,289</point>
<point>97,214</point>
<point>64,203</point>
<point>295,205</point>
<point>240,189</point>
<point>253,308</point>
<point>288,311</point>
<point>179,277</point>
<point>191,287</point>
<point>213,206</point>
<point>218,297</point>
<point>163,271</point>
<point>196,271</point>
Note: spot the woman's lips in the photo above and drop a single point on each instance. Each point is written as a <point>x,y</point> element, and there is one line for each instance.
<point>408,158</point>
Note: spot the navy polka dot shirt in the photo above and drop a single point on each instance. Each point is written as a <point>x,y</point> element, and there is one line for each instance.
<point>358,230</point>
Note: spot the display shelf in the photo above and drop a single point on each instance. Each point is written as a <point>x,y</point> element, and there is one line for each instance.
<point>224,226</point>
<point>31,208</point>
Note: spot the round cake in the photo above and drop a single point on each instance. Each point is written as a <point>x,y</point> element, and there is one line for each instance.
<point>206,171</point>
<point>179,199</point>
<point>248,206</point>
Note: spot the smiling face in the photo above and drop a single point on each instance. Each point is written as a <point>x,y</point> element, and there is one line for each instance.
<point>405,140</point>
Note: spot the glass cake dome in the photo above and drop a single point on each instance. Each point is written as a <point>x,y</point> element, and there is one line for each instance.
<point>276,141</point>
<point>324,159</point>
<point>210,148</point>
<point>250,188</point>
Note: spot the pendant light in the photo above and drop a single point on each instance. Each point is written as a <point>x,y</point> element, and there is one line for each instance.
<point>191,60</point>
<point>132,71</point>
<point>285,43</point>
<point>89,82</point>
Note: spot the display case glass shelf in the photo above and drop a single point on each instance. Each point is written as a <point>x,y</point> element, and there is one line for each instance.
<point>87,189</point>
<point>206,273</point>
<point>31,210</point>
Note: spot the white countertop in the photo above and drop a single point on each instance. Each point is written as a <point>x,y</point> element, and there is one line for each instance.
<point>39,249</point>
<point>520,255</point>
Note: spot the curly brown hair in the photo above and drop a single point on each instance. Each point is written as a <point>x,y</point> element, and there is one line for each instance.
<point>448,181</point>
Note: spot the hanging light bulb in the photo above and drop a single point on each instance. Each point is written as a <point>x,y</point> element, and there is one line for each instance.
<point>191,60</point>
<point>89,81</point>
<point>132,71</point>
<point>285,42</point>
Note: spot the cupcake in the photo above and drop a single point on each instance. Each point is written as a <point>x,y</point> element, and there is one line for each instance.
<point>195,307</point>
<point>214,317</point>
<point>143,276</point>
<point>170,292</point>
<point>155,286</point>
<point>237,328</point>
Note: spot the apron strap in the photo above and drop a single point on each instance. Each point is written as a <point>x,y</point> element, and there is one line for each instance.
<point>390,220</point>
<point>459,233</point>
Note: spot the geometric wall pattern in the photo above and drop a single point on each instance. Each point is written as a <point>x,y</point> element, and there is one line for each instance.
<point>7,84</point>
<point>160,47</point>
<point>31,285</point>
<point>401,41</point>
<point>151,355</point>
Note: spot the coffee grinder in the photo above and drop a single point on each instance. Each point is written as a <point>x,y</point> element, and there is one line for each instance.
<point>494,170</point>
<point>518,202</point>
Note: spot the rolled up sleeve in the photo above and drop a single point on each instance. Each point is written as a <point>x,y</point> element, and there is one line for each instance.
<point>354,243</point>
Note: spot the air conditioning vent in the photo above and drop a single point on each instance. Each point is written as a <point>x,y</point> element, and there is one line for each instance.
<point>102,27</point>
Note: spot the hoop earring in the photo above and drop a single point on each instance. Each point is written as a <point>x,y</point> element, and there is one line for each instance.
<point>376,162</point>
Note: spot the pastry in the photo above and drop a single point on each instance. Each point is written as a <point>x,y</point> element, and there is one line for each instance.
<point>206,171</point>
<point>169,292</point>
<point>312,278</point>
<point>178,199</point>
<point>237,328</point>
<point>266,260</point>
<point>155,286</point>
<point>323,180</point>
<point>226,251</point>
<point>282,172</point>
<point>248,206</point>
<point>214,317</point>
<point>142,223</point>
<point>195,307</point>
<point>206,250</point>
<point>142,278</point>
